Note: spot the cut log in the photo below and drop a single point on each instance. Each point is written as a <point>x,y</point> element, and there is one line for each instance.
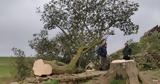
<point>66,78</point>
<point>40,68</point>
<point>74,77</point>
<point>124,70</point>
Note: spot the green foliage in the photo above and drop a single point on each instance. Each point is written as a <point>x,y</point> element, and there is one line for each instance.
<point>135,48</point>
<point>21,65</point>
<point>45,48</point>
<point>81,23</point>
<point>85,17</point>
<point>51,82</point>
<point>116,56</point>
<point>151,43</point>
<point>150,48</point>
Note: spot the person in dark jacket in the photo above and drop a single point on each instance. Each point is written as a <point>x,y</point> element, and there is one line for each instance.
<point>127,51</point>
<point>102,53</point>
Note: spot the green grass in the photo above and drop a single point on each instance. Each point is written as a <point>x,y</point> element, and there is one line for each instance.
<point>7,70</point>
<point>51,82</point>
<point>117,82</point>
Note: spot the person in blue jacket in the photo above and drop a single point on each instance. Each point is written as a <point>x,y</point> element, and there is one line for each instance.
<point>102,53</point>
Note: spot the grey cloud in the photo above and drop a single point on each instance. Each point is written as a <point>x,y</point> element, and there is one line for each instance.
<point>19,20</point>
<point>148,15</point>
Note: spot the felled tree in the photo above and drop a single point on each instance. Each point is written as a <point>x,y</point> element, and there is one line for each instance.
<point>58,49</point>
<point>85,22</point>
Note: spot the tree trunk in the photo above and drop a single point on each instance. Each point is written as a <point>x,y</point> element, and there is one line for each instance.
<point>71,67</point>
<point>57,67</point>
<point>124,70</point>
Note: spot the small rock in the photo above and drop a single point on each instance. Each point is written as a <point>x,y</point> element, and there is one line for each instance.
<point>90,67</point>
<point>156,81</point>
<point>30,80</point>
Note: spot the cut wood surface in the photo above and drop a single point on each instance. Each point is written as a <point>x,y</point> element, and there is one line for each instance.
<point>40,68</point>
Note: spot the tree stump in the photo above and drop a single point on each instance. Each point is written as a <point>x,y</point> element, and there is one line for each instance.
<point>126,71</point>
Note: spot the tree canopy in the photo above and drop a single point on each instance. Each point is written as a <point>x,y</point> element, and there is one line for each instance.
<point>83,23</point>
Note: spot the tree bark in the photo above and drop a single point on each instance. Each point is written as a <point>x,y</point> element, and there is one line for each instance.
<point>124,70</point>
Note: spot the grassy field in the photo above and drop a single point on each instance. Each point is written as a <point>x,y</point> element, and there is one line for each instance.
<point>7,70</point>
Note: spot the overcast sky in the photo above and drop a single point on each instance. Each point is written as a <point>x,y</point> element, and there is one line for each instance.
<point>19,20</point>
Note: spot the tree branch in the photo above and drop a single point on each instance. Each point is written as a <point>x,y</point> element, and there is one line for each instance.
<point>93,44</point>
<point>62,30</point>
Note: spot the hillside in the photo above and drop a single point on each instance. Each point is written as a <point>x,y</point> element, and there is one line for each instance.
<point>146,52</point>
